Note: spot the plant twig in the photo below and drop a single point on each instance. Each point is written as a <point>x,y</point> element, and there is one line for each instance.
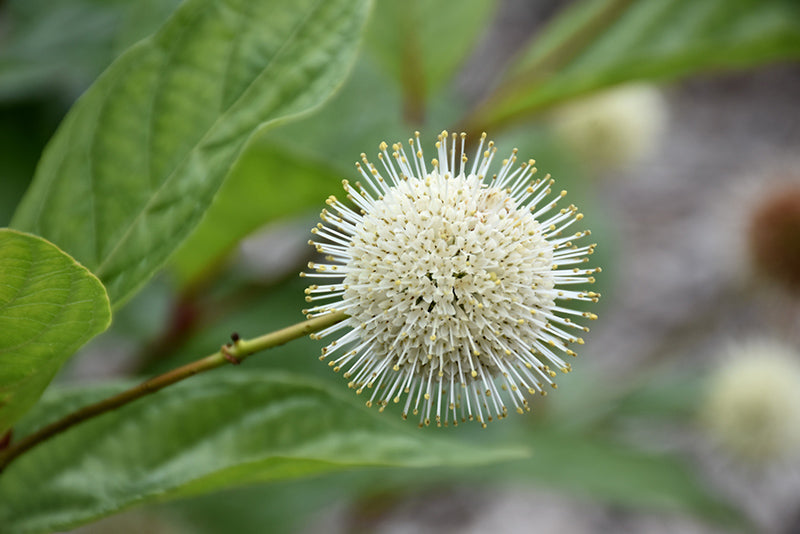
<point>195,309</point>
<point>234,352</point>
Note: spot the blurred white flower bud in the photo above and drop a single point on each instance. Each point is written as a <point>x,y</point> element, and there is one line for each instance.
<point>752,408</point>
<point>613,128</point>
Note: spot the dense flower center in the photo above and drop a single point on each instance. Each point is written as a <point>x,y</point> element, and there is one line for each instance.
<point>445,269</point>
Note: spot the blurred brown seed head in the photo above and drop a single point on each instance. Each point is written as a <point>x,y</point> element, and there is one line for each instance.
<point>774,237</point>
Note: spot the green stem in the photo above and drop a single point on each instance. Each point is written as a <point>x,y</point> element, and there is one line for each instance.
<point>234,352</point>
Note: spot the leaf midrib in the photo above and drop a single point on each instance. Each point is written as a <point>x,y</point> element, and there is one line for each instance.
<point>149,203</point>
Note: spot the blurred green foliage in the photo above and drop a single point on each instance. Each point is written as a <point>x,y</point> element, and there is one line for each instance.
<point>600,43</point>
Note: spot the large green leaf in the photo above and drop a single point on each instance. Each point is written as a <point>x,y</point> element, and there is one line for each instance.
<point>137,161</point>
<point>598,43</point>
<point>613,472</point>
<point>49,306</point>
<point>577,464</point>
<point>215,431</point>
<point>586,465</point>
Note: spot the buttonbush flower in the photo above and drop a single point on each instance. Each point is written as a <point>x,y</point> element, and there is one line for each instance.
<point>456,282</point>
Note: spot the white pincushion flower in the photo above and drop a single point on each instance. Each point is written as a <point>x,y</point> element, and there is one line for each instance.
<point>454,282</point>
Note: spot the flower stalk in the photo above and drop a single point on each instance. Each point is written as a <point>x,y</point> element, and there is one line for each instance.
<point>234,352</point>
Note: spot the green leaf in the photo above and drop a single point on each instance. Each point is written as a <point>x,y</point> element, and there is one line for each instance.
<point>597,465</point>
<point>49,306</point>
<point>422,43</point>
<point>137,161</point>
<point>617,473</point>
<point>215,431</point>
<point>584,466</point>
<point>599,43</point>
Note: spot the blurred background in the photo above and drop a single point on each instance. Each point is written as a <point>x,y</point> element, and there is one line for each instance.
<point>675,127</point>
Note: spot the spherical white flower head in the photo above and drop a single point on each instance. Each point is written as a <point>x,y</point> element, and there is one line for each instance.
<point>753,403</point>
<point>453,282</point>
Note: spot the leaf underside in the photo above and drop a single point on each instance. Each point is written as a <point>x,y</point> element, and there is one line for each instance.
<point>215,431</point>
